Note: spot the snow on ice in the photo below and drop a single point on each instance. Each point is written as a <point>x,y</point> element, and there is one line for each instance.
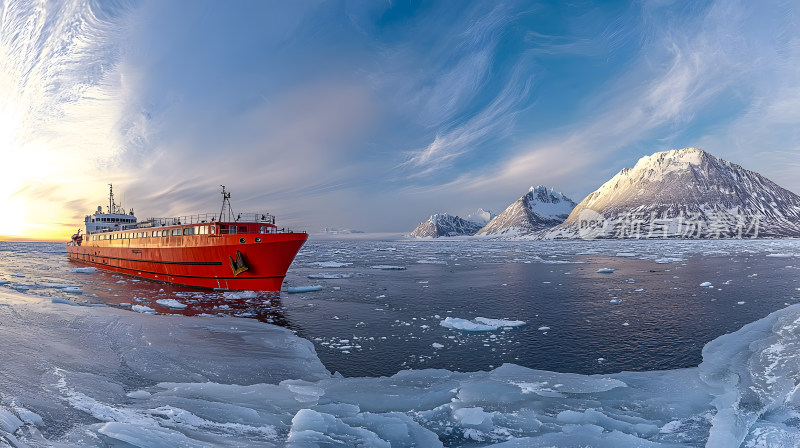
<point>87,270</point>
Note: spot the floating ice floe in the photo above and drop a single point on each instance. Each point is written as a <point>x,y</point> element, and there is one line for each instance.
<point>615,301</point>
<point>387,267</point>
<point>706,285</point>
<point>87,270</point>
<point>666,260</point>
<point>478,324</point>
<point>500,323</point>
<point>626,254</point>
<point>330,264</point>
<point>171,303</point>
<point>240,295</point>
<point>457,323</point>
<point>72,290</point>
<point>782,255</point>
<point>329,276</point>
<point>437,345</point>
<point>4,282</point>
<point>308,288</point>
<point>543,328</point>
<point>431,261</point>
<point>605,271</point>
<point>143,309</point>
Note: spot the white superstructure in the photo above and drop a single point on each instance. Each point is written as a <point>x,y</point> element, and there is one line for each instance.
<point>115,219</point>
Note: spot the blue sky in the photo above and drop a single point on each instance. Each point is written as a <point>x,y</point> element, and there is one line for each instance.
<point>373,115</point>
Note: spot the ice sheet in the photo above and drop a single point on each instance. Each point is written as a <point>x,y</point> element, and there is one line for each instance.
<point>232,382</point>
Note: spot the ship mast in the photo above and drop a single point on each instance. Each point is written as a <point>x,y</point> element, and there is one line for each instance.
<point>226,199</point>
<point>110,199</point>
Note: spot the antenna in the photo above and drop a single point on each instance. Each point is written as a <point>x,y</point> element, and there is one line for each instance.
<point>226,199</point>
<point>110,199</point>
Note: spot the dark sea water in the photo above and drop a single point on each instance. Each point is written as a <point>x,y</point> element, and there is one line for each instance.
<point>649,314</point>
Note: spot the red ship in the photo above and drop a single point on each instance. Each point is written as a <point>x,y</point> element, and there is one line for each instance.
<point>220,251</point>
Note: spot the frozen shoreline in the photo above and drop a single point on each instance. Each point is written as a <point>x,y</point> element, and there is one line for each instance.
<point>101,375</point>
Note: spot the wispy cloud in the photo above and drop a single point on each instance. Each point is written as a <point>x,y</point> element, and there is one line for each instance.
<point>462,105</point>
<point>493,121</point>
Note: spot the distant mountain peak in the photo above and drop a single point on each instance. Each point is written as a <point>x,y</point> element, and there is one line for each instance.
<point>444,224</point>
<point>540,208</point>
<point>684,193</point>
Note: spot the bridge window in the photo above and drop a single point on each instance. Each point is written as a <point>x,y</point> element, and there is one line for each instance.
<point>188,231</point>
<point>176,232</point>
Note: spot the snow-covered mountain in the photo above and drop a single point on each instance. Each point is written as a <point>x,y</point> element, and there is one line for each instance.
<point>684,193</point>
<point>539,209</point>
<point>442,224</point>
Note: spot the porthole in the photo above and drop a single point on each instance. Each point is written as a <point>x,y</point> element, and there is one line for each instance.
<point>258,240</point>
<point>241,240</point>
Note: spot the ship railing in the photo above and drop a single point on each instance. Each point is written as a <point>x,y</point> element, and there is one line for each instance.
<point>207,218</point>
<point>231,230</point>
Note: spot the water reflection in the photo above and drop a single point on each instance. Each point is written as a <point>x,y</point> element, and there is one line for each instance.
<point>128,292</point>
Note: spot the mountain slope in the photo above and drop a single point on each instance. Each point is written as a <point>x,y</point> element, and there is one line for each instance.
<point>442,224</point>
<point>539,209</point>
<point>684,193</point>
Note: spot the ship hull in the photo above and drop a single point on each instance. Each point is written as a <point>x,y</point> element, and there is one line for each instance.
<point>202,261</point>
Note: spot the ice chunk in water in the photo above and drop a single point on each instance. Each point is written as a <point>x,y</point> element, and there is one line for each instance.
<point>666,260</point>
<point>500,322</point>
<point>605,271</point>
<point>240,295</point>
<point>705,284</point>
<point>387,267</point>
<point>86,270</point>
<point>299,289</point>
<point>457,323</point>
<point>329,276</point>
<point>171,303</point>
<point>143,309</point>
<point>330,264</point>
<point>479,324</point>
